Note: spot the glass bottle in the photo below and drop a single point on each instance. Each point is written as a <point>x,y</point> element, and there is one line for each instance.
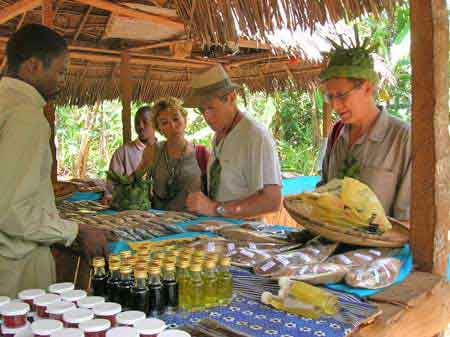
<point>224,282</point>
<point>140,292</point>
<point>183,279</point>
<point>112,283</point>
<point>210,284</point>
<point>196,288</point>
<point>125,285</point>
<point>156,295</point>
<point>99,277</point>
<point>170,288</point>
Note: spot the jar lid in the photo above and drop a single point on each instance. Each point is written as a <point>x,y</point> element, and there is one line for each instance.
<point>122,331</point>
<point>4,300</point>
<point>95,325</point>
<point>30,294</point>
<point>73,295</point>
<point>46,326</point>
<point>89,301</point>
<point>107,308</point>
<point>130,317</point>
<point>150,326</point>
<point>59,288</point>
<point>15,308</point>
<point>60,307</point>
<point>68,332</point>
<point>13,331</point>
<point>174,333</point>
<point>46,299</point>
<point>78,315</point>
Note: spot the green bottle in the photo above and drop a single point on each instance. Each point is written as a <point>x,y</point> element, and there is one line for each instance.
<point>183,279</point>
<point>196,286</point>
<point>224,282</point>
<point>210,287</point>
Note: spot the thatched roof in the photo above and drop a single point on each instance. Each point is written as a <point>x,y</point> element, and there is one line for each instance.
<point>169,40</point>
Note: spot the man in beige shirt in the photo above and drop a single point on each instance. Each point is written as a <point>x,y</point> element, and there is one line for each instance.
<point>29,220</point>
<point>127,157</point>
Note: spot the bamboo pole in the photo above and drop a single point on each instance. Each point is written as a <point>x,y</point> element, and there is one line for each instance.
<point>125,94</point>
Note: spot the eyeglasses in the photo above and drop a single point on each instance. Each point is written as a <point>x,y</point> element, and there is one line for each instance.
<point>341,97</point>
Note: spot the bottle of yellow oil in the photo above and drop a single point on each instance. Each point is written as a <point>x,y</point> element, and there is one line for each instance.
<point>196,288</point>
<point>210,287</point>
<point>290,305</point>
<point>183,279</point>
<point>224,282</point>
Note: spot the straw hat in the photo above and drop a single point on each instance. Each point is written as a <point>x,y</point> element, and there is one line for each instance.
<point>212,82</point>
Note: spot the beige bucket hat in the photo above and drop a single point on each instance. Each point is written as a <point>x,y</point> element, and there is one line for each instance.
<point>212,82</point>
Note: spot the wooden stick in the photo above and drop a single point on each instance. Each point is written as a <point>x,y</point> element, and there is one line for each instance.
<point>19,7</point>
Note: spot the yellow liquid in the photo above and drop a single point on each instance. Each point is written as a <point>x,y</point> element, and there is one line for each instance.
<point>184,298</point>
<point>278,303</point>
<point>210,288</point>
<point>196,292</point>
<point>224,287</point>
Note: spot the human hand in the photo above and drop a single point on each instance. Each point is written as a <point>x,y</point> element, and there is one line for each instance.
<point>106,200</point>
<point>197,202</point>
<point>92,241</point>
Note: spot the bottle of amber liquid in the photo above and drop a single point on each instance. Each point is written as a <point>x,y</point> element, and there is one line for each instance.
<point>140,292</point>
<point>156,294</point>
<point>196,286</point>
<point>112,283</point>
<point>210,284</point>
<point>170,287</point>
<point>99,277</point>
<point>224,282</point>
<point>125,285</point>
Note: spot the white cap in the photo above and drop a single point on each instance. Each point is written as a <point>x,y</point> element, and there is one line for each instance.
<point>174,333</point>
<point>13,331</point>
<point>59,288</point>
<point>68,332</point>
<point>122,331</point>
<point>266,297</point>
<point>46,299</point>
<point>130,317</point>
<point>60,307</point>
<point>73,295</point>
<point>45,327</point>
<point>4,300</point>
<point>90,301</point>
<point>78,316</point>
<point>107,309</point>
<point>284,282</point>
<point>150,326</point>
<point>95,325</point>
<point>30,294</point>
<point>15,308</point>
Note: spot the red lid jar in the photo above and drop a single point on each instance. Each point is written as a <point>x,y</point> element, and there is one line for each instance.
<point>29,295</point>
<point>149,327</point>
<point>68,332</point>
<point>122,331</point>
<point>108,310</point>
<point>95,327</point>
<point>73,295</point>
<point>11,332</point>
<point>15,314</point>
<point>45,327</point>
<point>74,317</point>
<point>58,309</point>
<point>90,301</point>
<point>42,302</point>
<point>59,288</point>
<point>3,300</point>
<point>128,318</point>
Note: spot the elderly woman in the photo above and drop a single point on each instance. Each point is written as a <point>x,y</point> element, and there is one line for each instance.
<point>176,165</point>
<point>366,143</point>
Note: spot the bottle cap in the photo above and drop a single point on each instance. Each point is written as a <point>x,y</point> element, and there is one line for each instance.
<point>30,294</point>
<point>98,262</point>
<point>95,325</point>
<point>45,327</point>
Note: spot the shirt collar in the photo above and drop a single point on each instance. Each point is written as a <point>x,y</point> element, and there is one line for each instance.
<point>139,144</point>
<point>377,132</point>
<point>26,89</point>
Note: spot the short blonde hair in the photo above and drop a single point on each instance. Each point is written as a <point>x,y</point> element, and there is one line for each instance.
<point>171,104</point>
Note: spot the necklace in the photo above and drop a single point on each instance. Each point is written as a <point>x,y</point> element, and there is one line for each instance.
<point>174,172</point>
<point>218,145</point>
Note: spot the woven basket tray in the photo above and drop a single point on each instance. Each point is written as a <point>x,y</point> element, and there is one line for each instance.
<point>396,237</point>
<point>63,190</point>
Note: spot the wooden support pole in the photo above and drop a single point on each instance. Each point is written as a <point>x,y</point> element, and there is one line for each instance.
<point>48,13</point>
<point>430,207</point>
<point>19,7</point>
<point>126,95</point>
<point>327,120</point>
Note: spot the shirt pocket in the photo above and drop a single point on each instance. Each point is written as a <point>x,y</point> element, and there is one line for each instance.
<point>382,182</point>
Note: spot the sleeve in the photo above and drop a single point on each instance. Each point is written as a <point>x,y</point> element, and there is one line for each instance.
<point>263,164</point>
<point>27,209</point>
<point>116,165</point>
<point>402,200</point>
<point>325,161</point>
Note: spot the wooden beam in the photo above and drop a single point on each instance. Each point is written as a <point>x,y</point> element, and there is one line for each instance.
<point>18,8</point>
<point>22,20</point>
<point>156,45</point>
<point>126,91</point>
<point>132,13</point>
<point>48,14</point>
<point>430,207</point>
<point>254,44</point>
<point>83,21</point>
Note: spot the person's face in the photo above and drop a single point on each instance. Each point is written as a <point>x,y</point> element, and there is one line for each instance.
<point>219,111</point>
<point>350,99</point>
<point>144,126</point>
<point>171,124</point>
<point>49,80</point>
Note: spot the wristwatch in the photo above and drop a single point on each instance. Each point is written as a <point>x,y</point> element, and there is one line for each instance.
<point>220,209</point>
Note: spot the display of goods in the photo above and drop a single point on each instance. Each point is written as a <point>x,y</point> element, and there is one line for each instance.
<point>319,273</point>
<point>236,233</point>
<point>378,274</point>
<point>361,257</point>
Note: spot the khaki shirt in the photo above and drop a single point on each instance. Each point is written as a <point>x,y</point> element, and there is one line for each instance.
<point>29,220</point>
<point>384,156</point>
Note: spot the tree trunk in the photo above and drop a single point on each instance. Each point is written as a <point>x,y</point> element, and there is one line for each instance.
<point>85,142</point>
<point>315,122</point>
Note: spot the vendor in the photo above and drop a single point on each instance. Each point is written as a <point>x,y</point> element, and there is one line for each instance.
<point>176,164</point>
<point>127,157</point>
<point>29,221</point>
<point>244,177</point>
<point>367,142</point>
